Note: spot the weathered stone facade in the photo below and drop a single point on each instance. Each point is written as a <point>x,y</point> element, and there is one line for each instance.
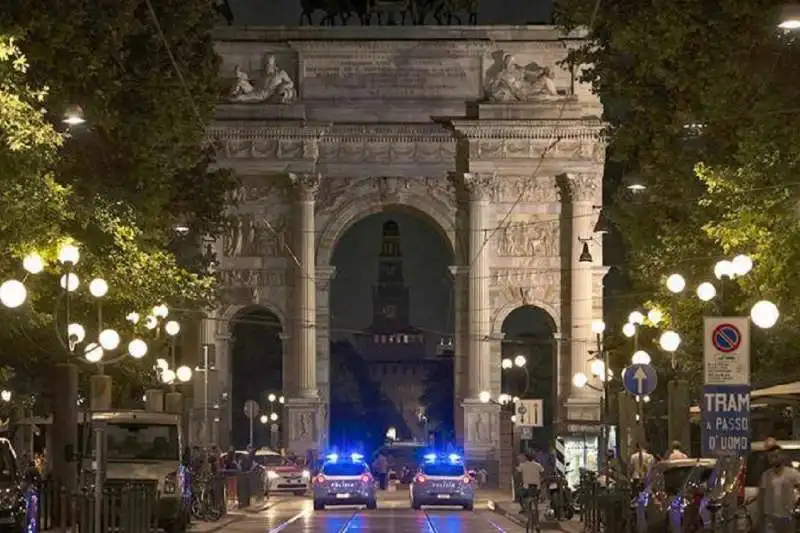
<point>505,161</point>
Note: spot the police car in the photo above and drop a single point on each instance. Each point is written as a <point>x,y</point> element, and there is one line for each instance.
<point>442,480</point>
<point>344,480</point>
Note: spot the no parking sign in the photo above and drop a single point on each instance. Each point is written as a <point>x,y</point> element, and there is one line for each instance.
<point>726,351</point>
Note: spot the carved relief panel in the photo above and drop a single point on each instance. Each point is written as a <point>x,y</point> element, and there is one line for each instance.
<point>525,189</point>
<point>529,238</point>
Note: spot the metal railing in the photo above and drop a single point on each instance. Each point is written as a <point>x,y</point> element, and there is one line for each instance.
<point>604,503</point>
<point>129,508</point>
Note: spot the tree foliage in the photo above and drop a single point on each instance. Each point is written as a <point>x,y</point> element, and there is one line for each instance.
<point>700,98</point>
<point>116,187</point>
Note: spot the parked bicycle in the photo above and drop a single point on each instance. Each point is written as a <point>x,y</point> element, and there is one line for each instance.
<point>205,506</point>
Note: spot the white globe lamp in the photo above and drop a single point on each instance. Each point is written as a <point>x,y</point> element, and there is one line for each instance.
<point>641,357</point>
<point>520,361</point>
<point>161,311</point>
<point>271,397</point>
<point>109,339</point>
<point>137,348</point>
<point>764,314</point>
<point>184,373</point>
<point>723,269</point>
<point>150,322</point>
<point>93,353</point>
<point>5,395</point>
<point>669,341</point>
<point>636,318</point>
<point>598,327</point>
<point>629,330</point>
<point>742,264</point>
<point>676,283</point>
<point>706,291</point>
<point>654,316</point>
<point>33,263</point>
<point>167,376</point>
<point>133,317</point>
<point>273,417</point>
<point>580,380</point>
<point>13,293</point>
<point>506,363</point>
<point>70,282</point>
<point>76,332</point>
<point>162,364</point>
<point>484,396</point>
<point>264,419</point>
<point>98,287</point>
<point>172,328</point>
<point>597,367</point>
<point>69,255</point>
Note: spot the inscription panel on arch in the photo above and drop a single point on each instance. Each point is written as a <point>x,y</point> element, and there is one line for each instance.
<point>390,74</point>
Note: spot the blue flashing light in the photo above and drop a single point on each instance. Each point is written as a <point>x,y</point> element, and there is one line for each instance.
<point>430,457</point>
<point>333,457</point>
<point>454,457</point>
<point>356,457</point>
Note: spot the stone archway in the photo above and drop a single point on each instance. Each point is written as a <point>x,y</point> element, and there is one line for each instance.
<point>256,367</point>
<point>386,336</point>
<point>530,332</point>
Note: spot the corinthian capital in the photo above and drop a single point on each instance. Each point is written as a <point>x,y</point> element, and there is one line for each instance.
<point>306,185</point>
<point>586,187</point>
<point>479,185</point>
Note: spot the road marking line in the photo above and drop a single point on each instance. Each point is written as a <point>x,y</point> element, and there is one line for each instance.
<point>286,524</point>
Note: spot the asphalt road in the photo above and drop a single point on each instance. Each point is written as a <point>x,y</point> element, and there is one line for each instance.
<point>298,516</point>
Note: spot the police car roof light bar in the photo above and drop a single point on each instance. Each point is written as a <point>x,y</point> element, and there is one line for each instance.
<point>356,457</point>
<point>332,457</point>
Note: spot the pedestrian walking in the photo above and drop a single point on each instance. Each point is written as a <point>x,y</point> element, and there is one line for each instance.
<point>776,495</point>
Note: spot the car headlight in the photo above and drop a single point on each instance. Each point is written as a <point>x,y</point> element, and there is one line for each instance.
<point>306,474</point>
<point>272,475</point>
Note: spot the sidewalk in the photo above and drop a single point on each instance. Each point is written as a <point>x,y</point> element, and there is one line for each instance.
<point>500,502</point>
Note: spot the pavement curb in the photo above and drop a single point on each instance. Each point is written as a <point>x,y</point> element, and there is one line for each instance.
<point>515,517</point>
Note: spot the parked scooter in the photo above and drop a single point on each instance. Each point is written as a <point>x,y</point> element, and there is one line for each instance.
<point>563,504</point>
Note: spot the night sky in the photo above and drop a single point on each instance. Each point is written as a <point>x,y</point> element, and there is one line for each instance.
<point>287,12</point>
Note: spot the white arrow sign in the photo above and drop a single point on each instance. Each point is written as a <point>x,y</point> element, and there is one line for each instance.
<point>640,376</point>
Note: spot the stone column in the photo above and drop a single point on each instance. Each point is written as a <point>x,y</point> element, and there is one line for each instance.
<point>478,187</point>
<point>585,194</point>
<point>481,420</point>
<point>303,408</point>
<point>460,348</point>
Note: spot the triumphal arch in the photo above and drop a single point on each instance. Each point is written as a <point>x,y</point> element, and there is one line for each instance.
<point>481,130</point>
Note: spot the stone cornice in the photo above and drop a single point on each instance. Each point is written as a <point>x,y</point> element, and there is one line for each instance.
<point>547,36</point>
<point>530,129</point>
<point>333,134</point>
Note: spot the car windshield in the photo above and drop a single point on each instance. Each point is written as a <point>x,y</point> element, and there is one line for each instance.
<point>272,460</point>
<point>344,469</point>
<point>758,462</point>
<point>155,442</point>
<point>443,469</point>
<point>673,479</point>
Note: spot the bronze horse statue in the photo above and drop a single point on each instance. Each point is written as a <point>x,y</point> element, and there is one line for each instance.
<point>444,12</point>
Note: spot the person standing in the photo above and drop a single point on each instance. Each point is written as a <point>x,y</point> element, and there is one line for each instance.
<point>640,462</point>
<point>530,478</point>
<point>676,452</point>
<point>776,495</point>
<point>381,467</point>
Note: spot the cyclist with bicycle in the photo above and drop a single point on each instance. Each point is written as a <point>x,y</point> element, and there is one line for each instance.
<point>530,480</point>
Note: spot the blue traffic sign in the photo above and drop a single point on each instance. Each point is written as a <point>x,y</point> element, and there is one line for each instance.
<point>726,420</point>
<point>640,379</point>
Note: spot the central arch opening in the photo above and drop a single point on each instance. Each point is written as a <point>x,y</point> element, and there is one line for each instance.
<point>392,319</point>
